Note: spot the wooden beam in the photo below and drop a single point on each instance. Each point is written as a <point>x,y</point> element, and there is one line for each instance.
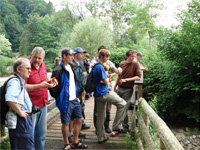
<point>145,133</point>
<point>165,134</point>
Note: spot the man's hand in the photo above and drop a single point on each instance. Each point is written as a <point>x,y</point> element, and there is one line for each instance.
<point>119,71</point>
<point>52,81</point>
<point>49,83</point>
<point>121,81</point>
<point>23,114</point>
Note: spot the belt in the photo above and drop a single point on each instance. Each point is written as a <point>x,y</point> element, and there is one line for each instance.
<point>29,114</point>
<point>126,87</point>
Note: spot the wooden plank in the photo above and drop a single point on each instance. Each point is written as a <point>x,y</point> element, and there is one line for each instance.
<point>54,131</point>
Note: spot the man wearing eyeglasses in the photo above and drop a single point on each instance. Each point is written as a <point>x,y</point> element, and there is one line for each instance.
<point>18,120</point>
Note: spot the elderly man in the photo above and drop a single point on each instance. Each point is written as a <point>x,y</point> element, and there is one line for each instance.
<point>37,88</point>
<point>17,98</point>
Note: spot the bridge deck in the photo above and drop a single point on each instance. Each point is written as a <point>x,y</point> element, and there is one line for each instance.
<point>54,131</point>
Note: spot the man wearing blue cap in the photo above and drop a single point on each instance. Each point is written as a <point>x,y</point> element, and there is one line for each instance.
<point>79,70</point>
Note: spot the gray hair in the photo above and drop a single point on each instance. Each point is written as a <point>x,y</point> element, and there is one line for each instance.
<point>18,63</point>
<point>39,50</point>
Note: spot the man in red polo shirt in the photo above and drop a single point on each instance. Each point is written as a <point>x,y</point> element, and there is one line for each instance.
<point>37,85</point>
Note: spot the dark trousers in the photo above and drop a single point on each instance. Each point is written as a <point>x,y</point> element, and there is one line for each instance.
<point>106,123</point>
<point>22,136</point>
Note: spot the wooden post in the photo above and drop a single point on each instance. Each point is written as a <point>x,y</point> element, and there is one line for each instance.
<point>146,121</point>
<point>3,131</point>
<point>162,146</point>
<point>140,90</point>
<point>147,137</point>
<point>165,134</point>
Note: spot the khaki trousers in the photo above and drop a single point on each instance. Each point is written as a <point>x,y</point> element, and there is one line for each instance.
<point>111,98</point>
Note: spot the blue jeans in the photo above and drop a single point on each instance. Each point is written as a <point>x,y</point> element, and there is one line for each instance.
<point>40,128</point>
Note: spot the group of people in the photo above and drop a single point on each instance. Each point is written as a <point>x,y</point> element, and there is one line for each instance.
<point>67,87</point>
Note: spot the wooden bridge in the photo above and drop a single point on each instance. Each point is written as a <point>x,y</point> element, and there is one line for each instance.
<point>138,119</point>
<point>54,130</point>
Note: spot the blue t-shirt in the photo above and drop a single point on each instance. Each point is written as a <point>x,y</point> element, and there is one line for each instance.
<point>100,74</point>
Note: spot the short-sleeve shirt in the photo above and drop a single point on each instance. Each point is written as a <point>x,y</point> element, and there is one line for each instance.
<point>13,91</point>
<point>99,74</point>
<point>129,70</point>
<point>39,97</point>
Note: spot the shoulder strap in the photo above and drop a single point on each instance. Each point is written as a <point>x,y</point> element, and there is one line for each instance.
<point>95,65</point>
<point>15,76</point>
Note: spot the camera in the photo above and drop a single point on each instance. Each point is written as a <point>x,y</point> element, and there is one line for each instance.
<point>35,109</point>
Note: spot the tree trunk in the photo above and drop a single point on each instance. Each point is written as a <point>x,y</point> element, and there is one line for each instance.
<point>149,32</point>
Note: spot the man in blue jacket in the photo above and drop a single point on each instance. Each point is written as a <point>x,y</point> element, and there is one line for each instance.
<point>66,100</point>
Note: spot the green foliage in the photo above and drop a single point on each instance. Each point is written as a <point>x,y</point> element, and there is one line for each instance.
<point>129,141</point>
<point>118,55</point>
<point>173,75</point>
<point>11,22</point>
<point>5,145</point>
<point>5,62</point>
<point>90,34</point>
<point>5,46</point>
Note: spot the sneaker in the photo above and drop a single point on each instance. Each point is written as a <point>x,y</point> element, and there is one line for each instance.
<point>85,127</point>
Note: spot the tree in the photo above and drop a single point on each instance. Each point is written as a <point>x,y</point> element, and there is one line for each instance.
<point>90,34</point>
<point>11,22</point>
<point>142,15</point>
<point>112,10</point>
<point>5,46</point>
<point>179,92</point>
<point>37,33</point>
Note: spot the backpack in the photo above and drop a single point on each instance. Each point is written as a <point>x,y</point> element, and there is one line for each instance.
<point>4,106</point>
<point>90,86</point>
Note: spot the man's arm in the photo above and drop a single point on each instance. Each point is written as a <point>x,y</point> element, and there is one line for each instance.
<point>45,84</point>
<point>15,108</point>
<point>116,84</point>
<point>129,79</point>
<point>105,81</point>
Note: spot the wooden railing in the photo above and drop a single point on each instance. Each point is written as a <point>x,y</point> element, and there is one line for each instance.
<point>143,114</point>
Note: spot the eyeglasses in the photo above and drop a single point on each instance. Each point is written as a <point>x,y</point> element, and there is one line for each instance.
<point>28,68</point>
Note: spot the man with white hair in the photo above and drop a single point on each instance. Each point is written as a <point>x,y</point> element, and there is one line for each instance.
<point>39,95</point>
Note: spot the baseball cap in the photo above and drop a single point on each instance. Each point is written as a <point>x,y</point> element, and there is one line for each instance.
<point>79,50</point>
<point>139,54</point>
<point>67,51</point>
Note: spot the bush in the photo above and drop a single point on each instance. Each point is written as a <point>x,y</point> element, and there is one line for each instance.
<point>5,62</point>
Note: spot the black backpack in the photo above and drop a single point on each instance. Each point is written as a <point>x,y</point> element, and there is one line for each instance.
<point>4,106</point>
<point>90,86</point>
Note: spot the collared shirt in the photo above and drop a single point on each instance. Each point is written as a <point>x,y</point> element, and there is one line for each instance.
<point>39,97</point>
<point>13,91</point>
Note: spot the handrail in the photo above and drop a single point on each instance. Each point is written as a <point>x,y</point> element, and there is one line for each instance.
<point>168,139</point>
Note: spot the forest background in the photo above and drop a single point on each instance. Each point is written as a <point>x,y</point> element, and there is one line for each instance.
<point>172,55</point>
